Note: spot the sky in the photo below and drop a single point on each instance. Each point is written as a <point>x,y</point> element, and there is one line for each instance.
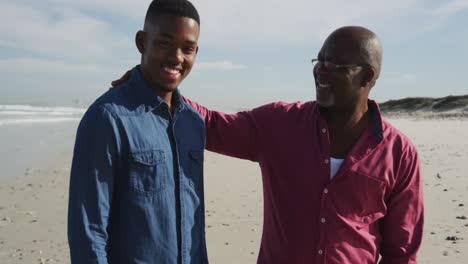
<point>252,52</point>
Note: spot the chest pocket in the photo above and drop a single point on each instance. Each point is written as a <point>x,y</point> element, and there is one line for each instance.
<point>148,171</point>
<point>359,199</point>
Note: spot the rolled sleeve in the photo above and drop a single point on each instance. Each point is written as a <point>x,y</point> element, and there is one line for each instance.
<point>91,186</point>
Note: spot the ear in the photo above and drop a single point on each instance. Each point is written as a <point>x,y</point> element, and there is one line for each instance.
<point>369,77</point>
<point>140,41</point>
<point>196,51</point>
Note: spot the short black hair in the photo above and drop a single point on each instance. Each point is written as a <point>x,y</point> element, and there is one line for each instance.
<point>172,7</point>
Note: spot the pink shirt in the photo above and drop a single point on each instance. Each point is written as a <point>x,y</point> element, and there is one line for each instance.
<point>374,204</point>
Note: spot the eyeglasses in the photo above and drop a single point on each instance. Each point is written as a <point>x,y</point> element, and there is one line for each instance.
<point>334,67</point>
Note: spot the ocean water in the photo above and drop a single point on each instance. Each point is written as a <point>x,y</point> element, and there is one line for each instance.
<point>36,137</point>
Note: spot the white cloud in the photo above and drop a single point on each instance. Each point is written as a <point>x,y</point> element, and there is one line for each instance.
<point>431,17</point>
<point>225,65</point>
<point>451,8</point>
<point>409,77</point>
<point>135,9</point>
<point>234,23</point>
<point>6,43</point>
<point>32,65</point>
<point>124,9</point>
<point>399,76</point>
<point>57,32</point>
<point>65,27</point>
<point>227,24</point>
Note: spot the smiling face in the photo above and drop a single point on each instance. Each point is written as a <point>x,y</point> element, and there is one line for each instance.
<point>337,87</point>
<point>168,48</point>
<point>346,78</point>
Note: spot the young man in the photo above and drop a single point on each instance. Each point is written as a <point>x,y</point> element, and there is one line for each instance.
<point>341,185</point>
<point>136,187</point>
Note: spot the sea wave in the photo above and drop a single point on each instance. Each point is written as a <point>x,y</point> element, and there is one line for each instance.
<point>23,113</point>
<point>41,109</point>
<point>35,120</point>
<point>29,114</point>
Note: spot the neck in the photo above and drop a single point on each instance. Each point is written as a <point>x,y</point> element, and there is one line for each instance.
<point>346,126</point>
<point>164,94</point>
<point>347,118</point>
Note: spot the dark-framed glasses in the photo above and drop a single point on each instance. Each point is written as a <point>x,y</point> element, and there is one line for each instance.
<point>334,67</point>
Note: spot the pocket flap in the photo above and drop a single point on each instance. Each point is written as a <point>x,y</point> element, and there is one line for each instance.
<point>359,200</point>
<point>148,158</point>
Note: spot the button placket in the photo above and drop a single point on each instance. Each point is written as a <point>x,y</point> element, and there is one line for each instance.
<point>323,130</point>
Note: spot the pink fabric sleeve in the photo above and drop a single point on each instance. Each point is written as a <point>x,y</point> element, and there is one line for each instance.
<point>235,135</point>
<point>402,227</point>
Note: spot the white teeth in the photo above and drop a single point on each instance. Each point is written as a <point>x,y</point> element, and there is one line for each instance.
<point>322,83</point>
<point>171,70</point>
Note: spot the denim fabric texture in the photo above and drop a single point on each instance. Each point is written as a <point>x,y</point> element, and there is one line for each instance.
<point>136,186</point>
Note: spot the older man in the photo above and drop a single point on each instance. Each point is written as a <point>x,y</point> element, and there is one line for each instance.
<point>341,184</point>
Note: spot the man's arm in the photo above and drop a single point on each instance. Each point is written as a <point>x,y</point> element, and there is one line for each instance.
<point>402,227</point>
<point>91,187</point>
<point>234,135</point>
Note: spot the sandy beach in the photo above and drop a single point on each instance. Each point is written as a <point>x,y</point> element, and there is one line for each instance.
<point>33,206</point>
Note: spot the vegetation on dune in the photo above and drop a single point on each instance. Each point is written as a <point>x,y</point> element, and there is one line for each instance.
<point>426,104</point>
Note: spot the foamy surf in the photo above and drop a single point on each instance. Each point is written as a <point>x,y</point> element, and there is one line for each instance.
<point>28,114</point>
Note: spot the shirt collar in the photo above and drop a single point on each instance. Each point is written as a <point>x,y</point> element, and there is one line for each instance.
<point>376,121</point>
<point>146,94</point>
<point>376,118</point>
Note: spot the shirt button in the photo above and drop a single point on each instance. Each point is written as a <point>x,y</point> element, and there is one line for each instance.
<point>323,220</point>
<point>324,130</point>
<point>320,252</point>
<point>326,161</point>
<point>325,190</point>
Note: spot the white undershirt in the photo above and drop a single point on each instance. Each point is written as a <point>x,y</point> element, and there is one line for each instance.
<point>335,165</point>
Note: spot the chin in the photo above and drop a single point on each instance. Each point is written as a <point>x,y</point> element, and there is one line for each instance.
<point>168,87</point>
<point>328,102</point>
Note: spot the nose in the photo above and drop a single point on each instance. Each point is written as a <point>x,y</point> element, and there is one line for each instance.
<point>319,68</point>
<point>176,56</point>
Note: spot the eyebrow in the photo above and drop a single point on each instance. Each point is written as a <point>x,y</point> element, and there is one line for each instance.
<point>166,35</point>
<point>169,36</point>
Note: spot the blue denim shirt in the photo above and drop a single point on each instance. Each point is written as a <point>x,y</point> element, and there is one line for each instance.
<point>136,187</point>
